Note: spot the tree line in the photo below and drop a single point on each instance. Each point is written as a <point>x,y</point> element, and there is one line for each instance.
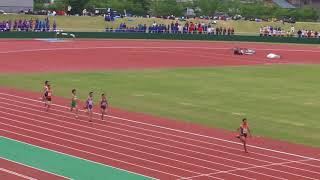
<point>248,8</point>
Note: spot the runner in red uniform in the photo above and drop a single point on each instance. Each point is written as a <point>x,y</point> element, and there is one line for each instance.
<point>244,131</point>
<point>103,105</point>
<point>45,92</point>
<point>48,98</point>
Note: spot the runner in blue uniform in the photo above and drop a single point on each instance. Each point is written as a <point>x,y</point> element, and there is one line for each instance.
<point>89,106</point>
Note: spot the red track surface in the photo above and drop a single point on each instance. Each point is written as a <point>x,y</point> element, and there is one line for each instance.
<point>145,145</point>
<point>35,56</point>
<point>14,171</point>
<point>151,146</point>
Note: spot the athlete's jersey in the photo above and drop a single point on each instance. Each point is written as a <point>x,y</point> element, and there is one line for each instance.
<point>244,128</point>
<point>104,102</point>
<point>90,101</point>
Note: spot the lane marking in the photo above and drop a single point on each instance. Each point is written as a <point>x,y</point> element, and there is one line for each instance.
<point>180,131</point>
<point>87,152</point>
<point>173,141</point>
<point>32,119</point>
<point>57,120</point>
<point>33,167</point>
<point>110,144</point>
<point>105,131</point>
<point>92,146</point>
<point>263,166</point>
<point>152,47</point>
<point>67,154</point>
<point>17,174</point>
<point>199,174</point>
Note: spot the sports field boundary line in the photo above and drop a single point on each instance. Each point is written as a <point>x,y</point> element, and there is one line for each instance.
<point>177,130</point>
<point>17,174</point>
<point>34,105</point>
<point>155,47</point>
<point>68,154</point>
<point>146,153</point>
<point>125,141</point>
<point>96,140</point>
<point>244,169</point>
<point>194,173</point>
<point>199,174</point>
<point>32,166</point>
<point>92,146</point>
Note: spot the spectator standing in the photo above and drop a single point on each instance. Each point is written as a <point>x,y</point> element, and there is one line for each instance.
<point>200,29</point>
<point>69,9</point>
<point>299,33</point>
<point>54,26</point>
<point>224,31</point>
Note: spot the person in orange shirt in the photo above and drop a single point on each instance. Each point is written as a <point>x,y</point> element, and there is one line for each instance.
<point>244,131</point>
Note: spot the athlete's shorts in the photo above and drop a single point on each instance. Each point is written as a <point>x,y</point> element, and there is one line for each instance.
<point>244,135</point>
<point>73,104</point>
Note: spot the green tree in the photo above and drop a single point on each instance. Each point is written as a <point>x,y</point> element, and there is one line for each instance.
<point>166,8</point>
<point>208,7</point>
<point>77,5</point>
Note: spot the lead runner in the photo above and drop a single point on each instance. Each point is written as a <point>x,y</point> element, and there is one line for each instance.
<point>244,131</point>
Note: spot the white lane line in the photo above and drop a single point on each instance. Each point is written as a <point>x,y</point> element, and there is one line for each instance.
<point>181,131</point>
<point>33,167</point>
<point>17,174</point>
<point>101,142</point>
<point>94,147</point>
<point>98,155</point>
<point>149,47</point>
<point>109,132</point>
<point>105,131</point>
<point>111,138</point>
<point>122,146</point>
<point>130,142</point>
<point>244,169</point>
<point>199,174</point>
<point>209,149</point>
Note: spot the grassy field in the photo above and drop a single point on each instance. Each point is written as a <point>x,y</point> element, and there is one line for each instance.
<point>96,24</point>
<point>281,102</point>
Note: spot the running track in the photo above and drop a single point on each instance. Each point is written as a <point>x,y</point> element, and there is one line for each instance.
<point>140,146</point>
<point>89,55</point>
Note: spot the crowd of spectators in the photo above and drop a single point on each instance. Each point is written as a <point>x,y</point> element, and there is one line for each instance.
<point>175,28</point>
<point>307,34</point>
<point>278,31</point>
<point>275,31</point>
<point>28,25</point>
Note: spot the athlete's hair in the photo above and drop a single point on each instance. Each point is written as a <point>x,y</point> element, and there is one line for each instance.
<point>244,119</point>
<point>102,94</point>
<point>73,90</point>
<point>46,82</point>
